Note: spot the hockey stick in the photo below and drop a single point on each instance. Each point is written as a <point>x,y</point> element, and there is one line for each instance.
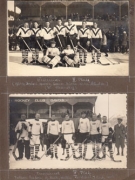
<point>101,150</point>
<point>99,52</point>
<point>72,43</point>
<point>59,41</point>
<point>26,44</point>
<point>39,45</point>
<point>72,153</point>
<point>49,147</point>
<point>112,62</point>
<point>15,147</point>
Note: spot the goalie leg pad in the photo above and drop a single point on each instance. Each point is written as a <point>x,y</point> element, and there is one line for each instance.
<point>55,61</point>
<point>46,59</point>
<point>68,61</point>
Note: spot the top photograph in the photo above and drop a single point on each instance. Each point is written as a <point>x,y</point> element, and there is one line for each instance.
<point>68,38</point>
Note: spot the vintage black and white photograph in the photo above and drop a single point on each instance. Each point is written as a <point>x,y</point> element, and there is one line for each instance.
<point>67,38</point>
<point>67,131</point>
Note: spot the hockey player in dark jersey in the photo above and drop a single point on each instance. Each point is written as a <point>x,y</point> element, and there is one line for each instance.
<point>53,131</point>
<point>22,133</point>
<point>35,43</point>
<point>96,37</point>
<point>84,41</point>
<point>71,33</point>
<point>24,34</point>
<point>59,34</point>
<point>68,131</point>
<point>106,132</point>
<point>84,129</point>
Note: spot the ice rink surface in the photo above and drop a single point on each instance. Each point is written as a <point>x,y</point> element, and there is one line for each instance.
<point>16,68</point>
<point>48,163</point>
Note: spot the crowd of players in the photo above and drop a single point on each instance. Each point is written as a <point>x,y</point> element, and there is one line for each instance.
<point>61,43</point>
<point>100,133</point>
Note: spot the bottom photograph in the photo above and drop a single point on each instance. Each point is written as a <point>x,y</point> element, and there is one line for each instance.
<point>67,131</point>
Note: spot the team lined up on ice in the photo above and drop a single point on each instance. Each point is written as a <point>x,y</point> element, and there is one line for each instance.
<point>99,133</point>
<point>65,37</point>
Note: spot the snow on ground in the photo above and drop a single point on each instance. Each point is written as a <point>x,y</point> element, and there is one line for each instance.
<point>48,163</point>
<point>15,68</point>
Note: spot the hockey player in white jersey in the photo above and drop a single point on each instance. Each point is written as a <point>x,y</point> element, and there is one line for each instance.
<point>84,129</point>
<point>70,57</point>
<point>47,35</point>
<point>106,132</point>
<point>53,131</point>
<point>24,34</point>
<point>59,34</point>
<point>68,131</point>
<point>35,133</point>
<point>52,57</point>
<point>84,41</point>
<point>95,127</point>
<point>35,42</point>
<point>71,33</point>
<point>96,39</point>
<point>21,129</point>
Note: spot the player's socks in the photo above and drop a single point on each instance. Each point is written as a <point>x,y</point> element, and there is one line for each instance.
<point>84,152</point>
<point>85,57</point>
<point>80,151</point>
<point>56,153</point>
<point>36,150</point>
<point>51,147</point>
<point>67,151</point>
<point>32,152</point>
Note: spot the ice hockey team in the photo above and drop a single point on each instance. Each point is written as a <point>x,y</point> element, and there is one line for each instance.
<point>60,44</point>
<point>97,132</point>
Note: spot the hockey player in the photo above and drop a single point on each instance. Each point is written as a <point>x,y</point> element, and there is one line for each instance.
<point>84,41</point>
<point>95,136</point>
<point>60,33</point>
<point>96,37</point>
<point>24,34</point>
<point>52,57</point>
<point>68,131</point>
<point>53,131</point>
<point>71,33</point>
<point>106,139</point>
<point>70,57</point>
<point>22,133</point>
<point>119,133</point>
<point>84,129</point>
<point>36,42</point>
<point>35,133</point>
<point>47,34</point>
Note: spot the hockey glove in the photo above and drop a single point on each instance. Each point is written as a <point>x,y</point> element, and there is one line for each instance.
<point>55,33</point>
